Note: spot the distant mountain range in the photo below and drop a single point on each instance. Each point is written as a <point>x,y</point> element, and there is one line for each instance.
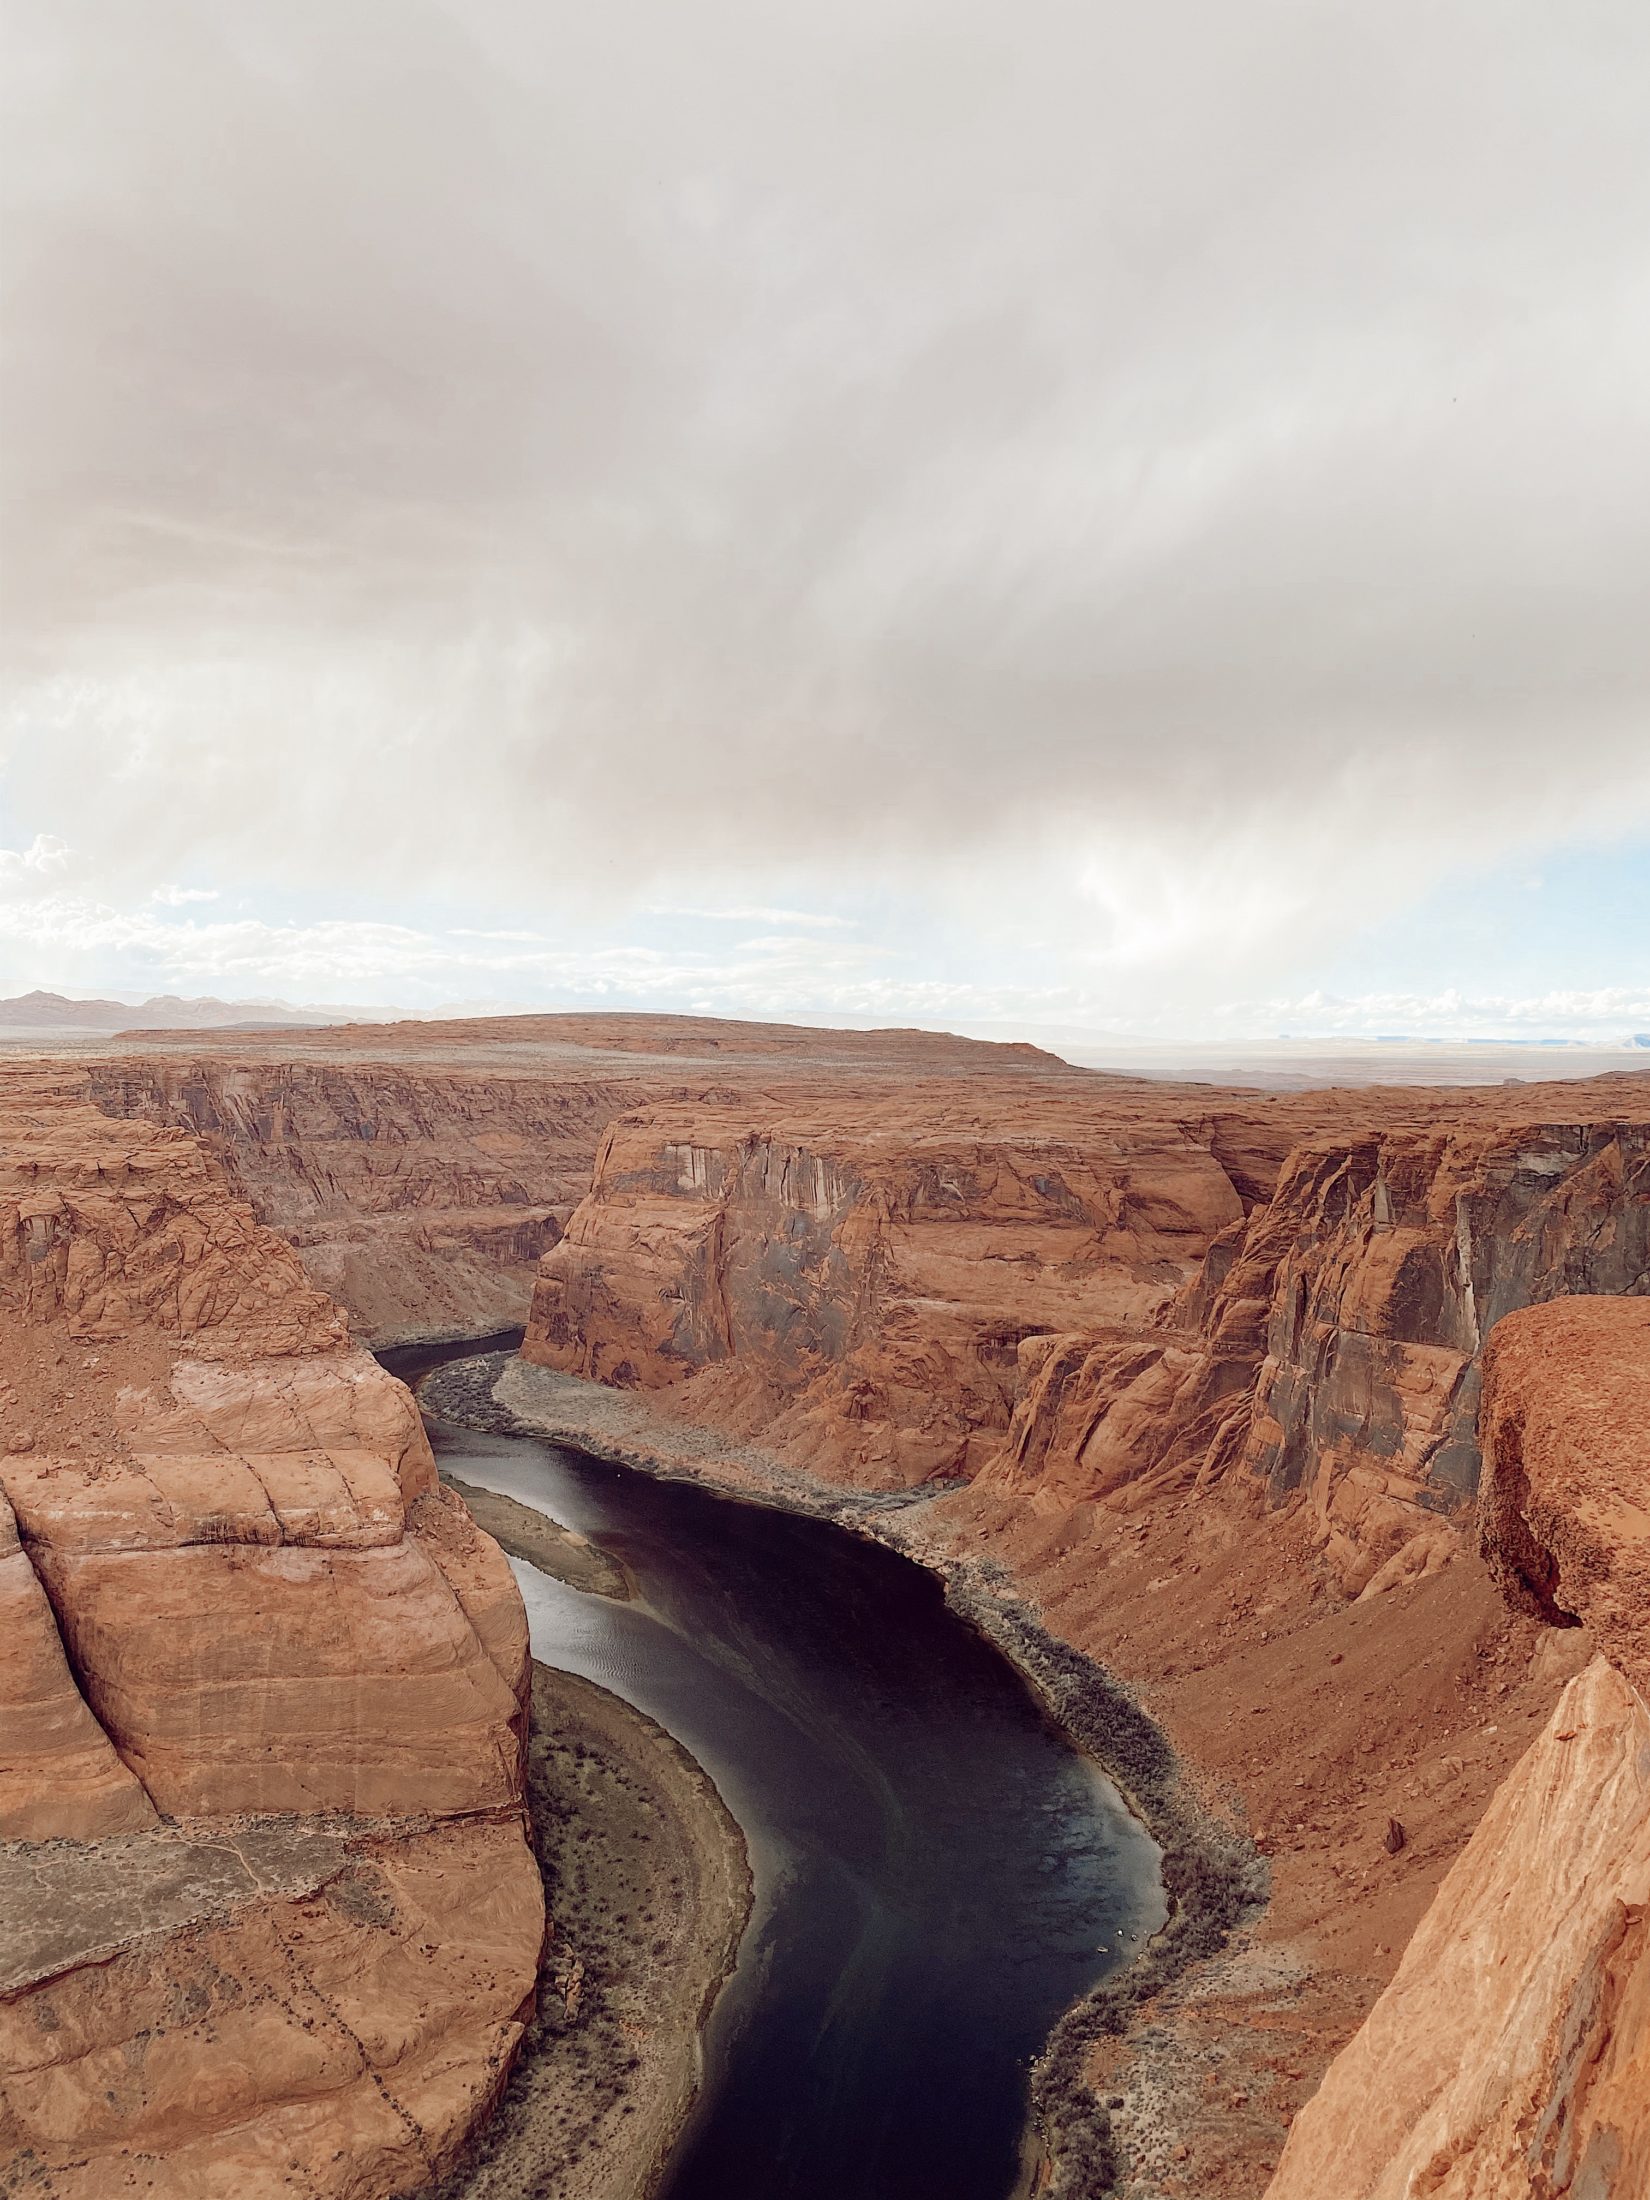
<point>166,1012</point>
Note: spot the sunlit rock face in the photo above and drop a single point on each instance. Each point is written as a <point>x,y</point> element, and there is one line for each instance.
<point>246,1620</point>
<point>1510,2056</point>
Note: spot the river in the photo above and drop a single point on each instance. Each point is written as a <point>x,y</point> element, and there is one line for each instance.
<point>938,1874</point>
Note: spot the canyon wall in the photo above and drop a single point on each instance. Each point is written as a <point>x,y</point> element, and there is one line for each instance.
<point>1509,2059</point>
<point>1328,1348</point>
<point>855,1275</point>
<point>1137,1295</point>
<point>420,1196</point>
<point>420,1170</point>
<point>1196,1372</point>
<point>271,1923</point>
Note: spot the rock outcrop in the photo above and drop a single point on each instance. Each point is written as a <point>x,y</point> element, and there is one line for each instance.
<point>1202,1372</point>
<point>240,1602</point>
<point>1329,1346</point>
<point>1510,2056</point>
<point>856,1278</point>
<point>58,1768</point>
<point>420,1170</point>
<point>332,2021</point>
<point>1153,1294</point>
<point>420,1196</point>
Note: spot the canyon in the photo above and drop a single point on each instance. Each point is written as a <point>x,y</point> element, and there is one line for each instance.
<point>1314,1417</point>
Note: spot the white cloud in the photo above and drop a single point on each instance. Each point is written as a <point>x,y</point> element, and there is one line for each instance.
<point>1600,1015</point>
<point>806,919</point>
<point>180,897</point>
<point>37,868</point>
<point>1139,492</point>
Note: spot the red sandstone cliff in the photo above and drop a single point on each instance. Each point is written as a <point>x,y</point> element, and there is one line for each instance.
<point>1153,1293</point>
<point>270,1918</point>
<point>1510,2056</point>
<point>855,1275</point>
<point>1329,1345</point>
<point>421,1197</point>
<point>421,1169</point>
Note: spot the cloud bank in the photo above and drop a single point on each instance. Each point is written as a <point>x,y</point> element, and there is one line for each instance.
<point>1149,490</point>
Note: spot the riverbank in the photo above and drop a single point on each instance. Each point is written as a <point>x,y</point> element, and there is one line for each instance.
<point>649,1889</point>
<point>539,1541</point>
<point>1088,2143</point>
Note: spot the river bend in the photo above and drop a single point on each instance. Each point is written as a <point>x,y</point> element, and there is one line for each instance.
<point>938,1874</point>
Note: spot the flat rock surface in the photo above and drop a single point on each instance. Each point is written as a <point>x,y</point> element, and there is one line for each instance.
<point>64,1903</point>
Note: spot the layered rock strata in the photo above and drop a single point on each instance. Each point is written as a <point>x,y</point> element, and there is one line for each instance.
<point>1197,1370</point>
<point>422,1197</point>
<point>857,1278</point>
<point>1328,1347</point>
<point>1510,2056</point>
<point>247,1622</point>
<point>421,1169</point>
<point>1139,1297</point>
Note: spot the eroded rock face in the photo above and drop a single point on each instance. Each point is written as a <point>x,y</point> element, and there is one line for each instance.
<point>58,1769</point>
<point>1187,1344</point>
<point>1329,1348</point>
<point>421,1197</point>
<point>337,2033</point>
<point>422,1169</point>
<point>1565,1509</point>
<point>1510,2056</point>
<point>234,1586</point>
<point>1140,1297</point>
<point>858,1281</point>
<point>1225,1438</point>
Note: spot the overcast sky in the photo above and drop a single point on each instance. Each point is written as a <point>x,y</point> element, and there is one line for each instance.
<point>1131,517</point>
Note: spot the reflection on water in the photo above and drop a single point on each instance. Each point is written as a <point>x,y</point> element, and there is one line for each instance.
<point>938,1875</point>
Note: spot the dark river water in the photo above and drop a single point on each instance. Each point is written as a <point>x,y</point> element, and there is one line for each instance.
<point>938,1874</point>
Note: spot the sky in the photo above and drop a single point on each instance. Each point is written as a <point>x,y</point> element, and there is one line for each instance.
<point>1132,520</point>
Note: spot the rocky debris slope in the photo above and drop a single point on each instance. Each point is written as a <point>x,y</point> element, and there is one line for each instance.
<point>237,1590</point>
<point>1510,2056</point>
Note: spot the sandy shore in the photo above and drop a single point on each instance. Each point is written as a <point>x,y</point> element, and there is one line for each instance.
<point>531,1535</point>
<point>649,1890</point>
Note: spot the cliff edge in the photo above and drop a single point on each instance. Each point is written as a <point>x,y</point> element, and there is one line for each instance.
<point>1509,2059</point>
<point>269,1922</point>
